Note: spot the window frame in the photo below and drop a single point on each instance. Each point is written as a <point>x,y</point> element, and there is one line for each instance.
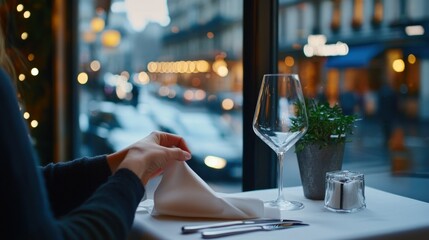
<point>260,49</point>
<point>67,135</point>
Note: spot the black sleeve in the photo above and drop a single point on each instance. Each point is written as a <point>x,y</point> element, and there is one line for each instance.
<point>69,184</point>
<point>109,213</point>
<point>26,212</point>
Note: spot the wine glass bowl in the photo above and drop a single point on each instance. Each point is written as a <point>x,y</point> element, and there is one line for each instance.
<point>280,101</point>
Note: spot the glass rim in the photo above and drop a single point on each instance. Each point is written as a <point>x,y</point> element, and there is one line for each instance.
<point>280,74</point>
<point>344,174</point>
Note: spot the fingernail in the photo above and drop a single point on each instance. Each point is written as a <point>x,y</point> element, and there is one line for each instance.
<point>187,155</point>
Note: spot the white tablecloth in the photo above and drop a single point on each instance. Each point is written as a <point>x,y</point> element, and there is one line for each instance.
<point>387,216</point>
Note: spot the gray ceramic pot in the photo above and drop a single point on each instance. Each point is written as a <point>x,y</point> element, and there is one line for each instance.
<point>314,163</point>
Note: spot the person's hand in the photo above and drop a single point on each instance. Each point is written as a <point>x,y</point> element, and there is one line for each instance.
<point>148,157</point>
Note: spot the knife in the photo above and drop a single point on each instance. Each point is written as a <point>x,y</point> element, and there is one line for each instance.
<point>196,228</point>
<point>266,227</point>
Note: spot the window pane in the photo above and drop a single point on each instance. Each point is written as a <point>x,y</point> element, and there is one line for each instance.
<point>174,66</point>
<point>378,71</point>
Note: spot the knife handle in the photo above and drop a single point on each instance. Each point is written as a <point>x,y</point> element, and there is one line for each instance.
<point>192,229</point>
<point>228,232</point>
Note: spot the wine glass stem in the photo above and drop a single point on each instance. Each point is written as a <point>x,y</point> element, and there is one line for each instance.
<point>280,157</point>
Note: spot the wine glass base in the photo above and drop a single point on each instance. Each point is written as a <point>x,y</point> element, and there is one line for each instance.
<point>284,205</point>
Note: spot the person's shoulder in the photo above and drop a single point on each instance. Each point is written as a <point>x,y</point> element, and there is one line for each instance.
<point>7,90</point>
<point>2,72</point>
<point>5,80</point>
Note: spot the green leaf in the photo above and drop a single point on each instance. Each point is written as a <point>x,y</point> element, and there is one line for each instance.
<point>326,125</point>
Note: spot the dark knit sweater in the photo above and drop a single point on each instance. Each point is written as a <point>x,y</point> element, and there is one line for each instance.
<point>72,200</point>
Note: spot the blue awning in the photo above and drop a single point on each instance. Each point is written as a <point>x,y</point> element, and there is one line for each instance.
<point>358,57</point>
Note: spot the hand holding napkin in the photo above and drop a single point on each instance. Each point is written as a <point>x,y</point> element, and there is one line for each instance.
<point>182,192</point>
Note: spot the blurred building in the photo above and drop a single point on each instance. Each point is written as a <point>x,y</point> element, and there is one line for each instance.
<point>202,46</point>
<point>362,47</point>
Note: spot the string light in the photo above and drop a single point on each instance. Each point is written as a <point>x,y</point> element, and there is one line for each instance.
<point>19,8</point>
<point>34,123</point>
<point>34,71</point>
<point>24,35</point>
<point>30,57</point>
<point>21,77</point>
<point>178,67</point>
<point>27,14</point>
<point>26,115</point>
<point>25,23</point>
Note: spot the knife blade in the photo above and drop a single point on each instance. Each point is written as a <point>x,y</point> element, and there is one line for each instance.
<point>245,229</point>
<point>196,228</point>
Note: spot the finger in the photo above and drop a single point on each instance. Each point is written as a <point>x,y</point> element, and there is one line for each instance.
<point>169,140</point>
<point>178,154</point>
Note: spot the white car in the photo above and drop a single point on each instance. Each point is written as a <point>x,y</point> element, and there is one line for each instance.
<point>216,149</point>
<point>133,126</point>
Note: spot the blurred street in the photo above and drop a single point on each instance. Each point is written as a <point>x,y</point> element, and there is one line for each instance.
<point>395,165</point>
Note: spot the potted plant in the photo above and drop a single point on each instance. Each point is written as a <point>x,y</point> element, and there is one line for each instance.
<point>321,149</point>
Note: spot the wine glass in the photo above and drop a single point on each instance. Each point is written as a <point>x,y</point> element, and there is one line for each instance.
<point>280,104</point>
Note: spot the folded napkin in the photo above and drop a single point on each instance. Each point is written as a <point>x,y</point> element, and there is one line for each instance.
<point>182,192</point>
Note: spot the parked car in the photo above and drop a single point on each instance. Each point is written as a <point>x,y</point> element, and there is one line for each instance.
<point>216,151</point>
<point>112,127</point>
<point>133,126</point>
<point>96,125</point>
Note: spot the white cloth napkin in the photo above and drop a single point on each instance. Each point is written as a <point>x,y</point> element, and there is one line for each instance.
<point>182,192</point>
